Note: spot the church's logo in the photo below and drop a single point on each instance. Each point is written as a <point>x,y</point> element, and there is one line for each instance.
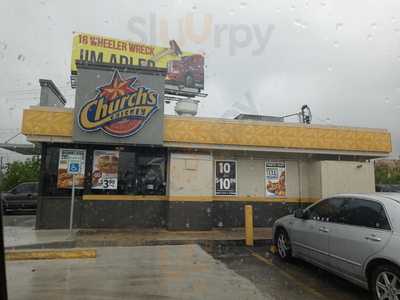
<point>120,108</point>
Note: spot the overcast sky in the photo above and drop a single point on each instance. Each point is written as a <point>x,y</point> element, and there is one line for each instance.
<point>341,57</point>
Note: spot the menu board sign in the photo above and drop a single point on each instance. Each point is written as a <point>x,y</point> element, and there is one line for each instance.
<point>275,178</point>
<point>105,170</point>
<point>64,178</point>
<point>225,177</point>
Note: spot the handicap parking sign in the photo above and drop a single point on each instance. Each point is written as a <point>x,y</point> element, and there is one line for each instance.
<point>74,167</point>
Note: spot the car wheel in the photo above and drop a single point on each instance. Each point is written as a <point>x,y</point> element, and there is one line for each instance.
<point>283,245</point>
<point>189,81</point>
<point>385,282</point>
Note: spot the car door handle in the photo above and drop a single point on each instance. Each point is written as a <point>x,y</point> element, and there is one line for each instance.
<point>323,229</point>
<point>373,238</point>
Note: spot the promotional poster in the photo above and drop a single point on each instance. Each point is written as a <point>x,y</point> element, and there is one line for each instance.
<point>225,177</point>
<point>64,179</point>
<point>185,69</point>
<point>105,170</point>
<point>275,178</point>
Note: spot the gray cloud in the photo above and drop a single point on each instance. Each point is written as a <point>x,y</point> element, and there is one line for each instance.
<point>342,58</point>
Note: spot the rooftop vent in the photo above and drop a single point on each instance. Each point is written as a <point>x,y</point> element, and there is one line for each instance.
<point>259,118</point>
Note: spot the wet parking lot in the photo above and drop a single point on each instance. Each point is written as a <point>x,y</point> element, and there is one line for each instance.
<point>211,270</point>
<point>282,280</point>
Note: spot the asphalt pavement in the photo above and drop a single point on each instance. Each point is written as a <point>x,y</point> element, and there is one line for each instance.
<point>209,270</point>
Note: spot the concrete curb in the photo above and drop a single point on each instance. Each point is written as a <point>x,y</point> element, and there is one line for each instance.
<point>50,254</point>
<point>130,243</point>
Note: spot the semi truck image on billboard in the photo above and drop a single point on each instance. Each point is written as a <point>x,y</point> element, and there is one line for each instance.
<point>184,69</point>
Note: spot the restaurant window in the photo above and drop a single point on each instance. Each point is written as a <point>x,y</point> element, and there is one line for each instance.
<point>54,180</point>
<point>127,171</point>
<point>108,171</point>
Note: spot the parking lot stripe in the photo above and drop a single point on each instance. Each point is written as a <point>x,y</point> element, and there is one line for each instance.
<point>50,254</point>
<point>287,275</point>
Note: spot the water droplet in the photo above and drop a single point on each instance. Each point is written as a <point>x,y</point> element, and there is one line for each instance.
<point>187,225</point>
<point>393,20</point>
<point>106,21</point>
<point>3,46</point>
<point>339,26</point>
<point>330,69</point>
<point>300,23</point>
<point>323,3</point>
<point>336,44</point>
<point>20,57</point>
<point>292,7</point>
<point>278,10</point>
<point>243,5</point>
<point>98,76</point>
<point>369,36</point>
<point>387,100</point>
<point>220,224</point>
<point>194,7</point>
<point>232,12</point>
<point>373,26</point>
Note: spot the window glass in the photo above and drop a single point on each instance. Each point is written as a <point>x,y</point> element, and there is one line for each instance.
<point>364,213</point>
<point>326,211</point>
<point>140,172</point>
<point>21,188</point>
<point>151,175</point>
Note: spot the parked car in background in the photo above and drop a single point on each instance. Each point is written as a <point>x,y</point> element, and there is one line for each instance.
<point>356,236</point>
<point>21,197</point>
<point>388,188</point>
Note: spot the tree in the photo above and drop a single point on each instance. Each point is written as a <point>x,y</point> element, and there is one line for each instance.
<point>20,171</point>
<point>387,174</point>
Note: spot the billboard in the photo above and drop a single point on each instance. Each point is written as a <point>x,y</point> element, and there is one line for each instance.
<point>275,178</point>
<point>185,70</point>
<point>118,106</point>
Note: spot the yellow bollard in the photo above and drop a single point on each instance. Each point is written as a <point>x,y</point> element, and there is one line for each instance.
<point>248,221</point>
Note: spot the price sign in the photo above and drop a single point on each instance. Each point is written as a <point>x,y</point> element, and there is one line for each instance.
<point>109,183</point>
<point>225,177</point>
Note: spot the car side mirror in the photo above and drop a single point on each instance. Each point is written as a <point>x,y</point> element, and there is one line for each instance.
<point>300,214</point>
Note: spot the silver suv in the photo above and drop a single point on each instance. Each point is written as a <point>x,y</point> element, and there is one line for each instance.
<point>356,236</point>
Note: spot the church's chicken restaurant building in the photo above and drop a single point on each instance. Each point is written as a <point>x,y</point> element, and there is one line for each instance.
<point>141,168</point>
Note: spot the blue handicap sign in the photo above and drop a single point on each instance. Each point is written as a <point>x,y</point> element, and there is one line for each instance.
<point>74,167</point>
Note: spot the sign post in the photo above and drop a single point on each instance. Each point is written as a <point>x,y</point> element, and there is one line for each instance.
<point>74,167</point>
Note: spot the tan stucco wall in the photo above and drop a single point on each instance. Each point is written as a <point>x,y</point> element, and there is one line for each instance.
<point>190,174</point>
<point>347,177</point>
<point>251,174</point>
<point>308,179</point>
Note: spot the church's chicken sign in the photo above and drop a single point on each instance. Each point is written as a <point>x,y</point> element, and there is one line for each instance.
<point>121,108</point>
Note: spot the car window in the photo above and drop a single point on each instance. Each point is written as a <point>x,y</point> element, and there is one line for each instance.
<point>366,213</point>
<point>21,188</point>
<point>326,211</point>
<point>31,187</point>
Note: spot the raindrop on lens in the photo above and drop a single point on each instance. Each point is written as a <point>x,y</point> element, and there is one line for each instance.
<point>242,4</point>
<point>339,26</point>
<point>20,57</point>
